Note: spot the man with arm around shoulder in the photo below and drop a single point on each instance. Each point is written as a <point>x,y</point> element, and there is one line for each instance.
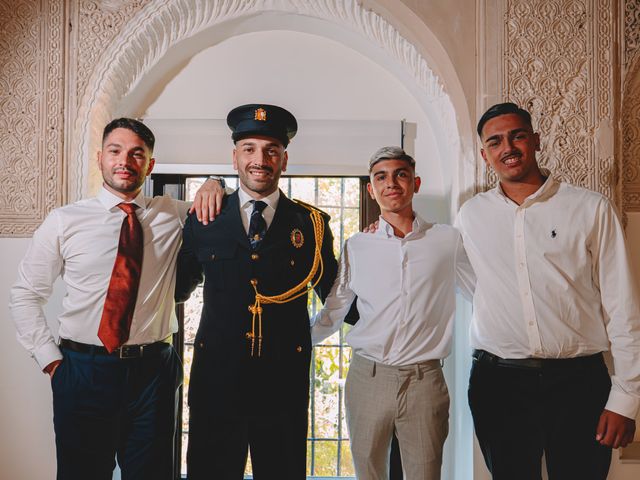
<point>405,276</point>
<point>114,373</point>
<point>249,387</point>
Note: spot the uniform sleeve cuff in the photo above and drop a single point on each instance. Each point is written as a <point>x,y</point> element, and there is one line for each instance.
<point>623,404</point>
<point>47,353</point>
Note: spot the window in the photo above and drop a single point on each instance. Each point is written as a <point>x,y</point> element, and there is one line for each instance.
<point>345,199</point>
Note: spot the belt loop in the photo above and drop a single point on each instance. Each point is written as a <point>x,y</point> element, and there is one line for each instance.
<point>418,371</point>
<point>373,370</point>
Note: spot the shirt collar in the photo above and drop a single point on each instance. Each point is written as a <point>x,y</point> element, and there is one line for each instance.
<point>271,200</point>
<point>419,225</point>
<point>110,200</point>
<point>546,190</point>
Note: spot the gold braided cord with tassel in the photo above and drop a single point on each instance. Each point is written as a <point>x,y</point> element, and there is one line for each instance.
<point>293,293</point>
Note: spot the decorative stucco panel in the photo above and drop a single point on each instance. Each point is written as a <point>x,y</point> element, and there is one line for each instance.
<point>98,24</point>
<point>631,29</point>
<point>32,50</point>
<point>557,63</point>
<point>631,109</point>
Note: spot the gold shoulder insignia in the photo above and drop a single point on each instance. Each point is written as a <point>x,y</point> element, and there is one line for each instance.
<point>308,206</point>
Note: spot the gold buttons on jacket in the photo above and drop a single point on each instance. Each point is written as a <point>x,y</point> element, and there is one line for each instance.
<point>298,349</point>
<point>255,256</point>
<point>248,335</point>
<point>254,281</point>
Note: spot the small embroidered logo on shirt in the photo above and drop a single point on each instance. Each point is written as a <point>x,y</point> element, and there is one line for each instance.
<point>553,233</point>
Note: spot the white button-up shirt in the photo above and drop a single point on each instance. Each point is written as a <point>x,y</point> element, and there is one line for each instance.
<point>406,293</point>
<point>554,281</point>
<point>79,242</point>
<point>246,207</point>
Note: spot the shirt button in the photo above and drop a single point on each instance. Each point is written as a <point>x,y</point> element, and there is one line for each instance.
<point>255,256</point>
<point>531,324</point>
<point>292,262</point>
<point>521,265</point>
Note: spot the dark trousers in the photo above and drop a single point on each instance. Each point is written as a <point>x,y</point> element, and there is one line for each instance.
<point>218,445</point>
<point>395,461</point>
<point>105,407</point>
<point>519,413</point>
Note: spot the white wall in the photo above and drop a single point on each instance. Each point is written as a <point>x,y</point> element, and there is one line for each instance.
<point>28,450</point>
<point>332,90</point>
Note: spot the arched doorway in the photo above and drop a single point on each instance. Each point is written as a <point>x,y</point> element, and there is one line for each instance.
<point>157,44</point>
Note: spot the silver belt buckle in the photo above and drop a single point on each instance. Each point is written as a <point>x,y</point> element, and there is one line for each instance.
<point>131,351</point>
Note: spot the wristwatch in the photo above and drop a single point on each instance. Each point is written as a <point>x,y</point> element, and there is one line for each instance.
<point>220,179</point>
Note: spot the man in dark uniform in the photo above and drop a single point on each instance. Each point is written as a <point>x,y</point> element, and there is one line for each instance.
<point>249,383</point>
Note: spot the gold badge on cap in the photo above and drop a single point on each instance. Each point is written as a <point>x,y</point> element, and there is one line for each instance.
<point>260,115</point>
<point>297,239</point>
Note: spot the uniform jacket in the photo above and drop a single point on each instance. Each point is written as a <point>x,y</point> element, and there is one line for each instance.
<point>224,374</point>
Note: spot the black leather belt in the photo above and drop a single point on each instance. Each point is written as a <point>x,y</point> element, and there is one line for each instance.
<point>125,351</point>
<point>538,363</point>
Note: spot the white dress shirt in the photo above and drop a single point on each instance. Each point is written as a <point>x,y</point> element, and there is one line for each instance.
<point>246,207</point>
<point>554,281</point>
<point>79,242</point>
<point>406,293</point>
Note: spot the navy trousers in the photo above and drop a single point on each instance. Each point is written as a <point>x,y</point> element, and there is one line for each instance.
<point>106,408</point>
<point>519,413</point>
<point>218,445</point>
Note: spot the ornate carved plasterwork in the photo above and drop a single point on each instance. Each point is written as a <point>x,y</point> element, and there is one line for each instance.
<point>31,112</point>
<point>631,29</point>
<point>98,23</point>
<point>631,141</point>
<point>160,25</point>
<point>557,64</point>
<point>631,109</point>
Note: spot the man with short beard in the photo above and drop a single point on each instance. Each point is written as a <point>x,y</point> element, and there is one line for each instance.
<point>114,373</point>
<point>249,387</point>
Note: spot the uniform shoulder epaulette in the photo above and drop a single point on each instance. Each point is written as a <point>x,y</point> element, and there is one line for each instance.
<point>311,207</point>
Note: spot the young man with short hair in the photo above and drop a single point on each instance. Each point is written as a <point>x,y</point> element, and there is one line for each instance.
<point>114,373</point>
<point>554,290</point>
<point>405,276</point>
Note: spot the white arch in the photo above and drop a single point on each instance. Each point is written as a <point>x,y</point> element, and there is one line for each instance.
<point>166,33</point>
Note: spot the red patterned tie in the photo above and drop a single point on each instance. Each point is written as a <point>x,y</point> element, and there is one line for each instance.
<point>125,279</point>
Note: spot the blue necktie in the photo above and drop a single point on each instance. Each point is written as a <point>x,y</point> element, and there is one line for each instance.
<point>257,225</point>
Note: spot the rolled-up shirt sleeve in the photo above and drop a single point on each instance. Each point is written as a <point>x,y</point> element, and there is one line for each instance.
<point>337,304</point>
<point>37,272</point>
<point>621,306</point>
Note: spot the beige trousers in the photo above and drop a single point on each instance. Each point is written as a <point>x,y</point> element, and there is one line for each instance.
<point>413,400</point>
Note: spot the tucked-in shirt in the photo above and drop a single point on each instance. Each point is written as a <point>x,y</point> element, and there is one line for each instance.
<point>554,281</point>
<point>79,242</point>
<point>406,293</point>
<point>246,207</point>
